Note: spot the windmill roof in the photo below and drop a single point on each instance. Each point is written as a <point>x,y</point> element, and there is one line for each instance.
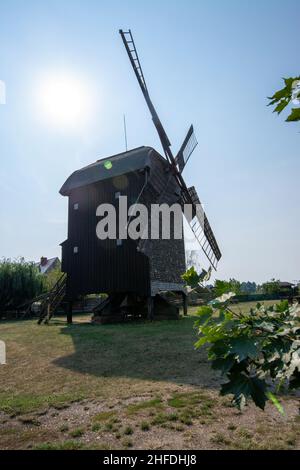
<point>109,167</point>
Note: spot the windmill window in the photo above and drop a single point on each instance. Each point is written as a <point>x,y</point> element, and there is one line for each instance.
<point>76,206</point>
<point>117,195</point>
<point>75,249</point>
<point>119,242</point>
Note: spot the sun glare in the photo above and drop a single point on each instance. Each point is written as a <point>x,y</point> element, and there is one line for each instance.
<point>64,101</point>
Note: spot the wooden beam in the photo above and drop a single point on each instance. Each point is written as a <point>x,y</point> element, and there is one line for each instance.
<point>70,312</point>
<point>185,303</point>
<point>150,308</point>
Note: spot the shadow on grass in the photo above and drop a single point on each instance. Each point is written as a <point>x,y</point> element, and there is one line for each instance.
<point>159,351</point>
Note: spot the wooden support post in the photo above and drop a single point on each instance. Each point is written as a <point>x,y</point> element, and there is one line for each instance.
<point>150,308</point>
<point>185,303</point>
<point>69,312</point>
<point>48,315</point>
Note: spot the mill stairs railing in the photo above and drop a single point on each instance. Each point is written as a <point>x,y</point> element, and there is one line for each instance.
<point>52,300</point>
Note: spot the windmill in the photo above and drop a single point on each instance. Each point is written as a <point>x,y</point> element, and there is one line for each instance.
<point>134,273</point>
<point>198,222</point>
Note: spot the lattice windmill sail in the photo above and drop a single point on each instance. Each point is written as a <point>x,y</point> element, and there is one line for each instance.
<point>186,150</point>
<point>198,222</point>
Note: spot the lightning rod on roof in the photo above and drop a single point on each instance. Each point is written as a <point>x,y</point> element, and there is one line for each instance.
<point>125,131</point>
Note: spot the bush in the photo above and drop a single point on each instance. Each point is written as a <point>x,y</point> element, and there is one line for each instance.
<point>51,278</point>
<point>20,281</point>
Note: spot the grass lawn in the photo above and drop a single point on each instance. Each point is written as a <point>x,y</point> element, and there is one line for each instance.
<point>241,307</point>
<point>139,385</point>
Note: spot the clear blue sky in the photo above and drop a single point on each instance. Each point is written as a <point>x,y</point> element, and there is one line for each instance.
<point>211,63</point>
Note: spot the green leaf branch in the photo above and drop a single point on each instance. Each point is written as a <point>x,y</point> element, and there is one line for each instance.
<point>257,352</point>
<point>289,94</point>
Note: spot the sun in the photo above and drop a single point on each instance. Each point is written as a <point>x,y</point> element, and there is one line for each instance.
<point>63,100</point>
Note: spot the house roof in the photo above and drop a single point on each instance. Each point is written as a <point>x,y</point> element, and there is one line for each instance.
<point>44,268</point>
<point>109,167</point>
<point>285,284</point>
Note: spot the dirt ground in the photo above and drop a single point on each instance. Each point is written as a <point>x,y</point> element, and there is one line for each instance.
<point>136,385</point>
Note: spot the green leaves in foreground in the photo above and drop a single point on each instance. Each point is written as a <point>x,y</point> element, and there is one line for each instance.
<point>258,352</point>
<point>191,277</point>
<point>295,115</point>
<point>287,95</point>
<point>242,386</point>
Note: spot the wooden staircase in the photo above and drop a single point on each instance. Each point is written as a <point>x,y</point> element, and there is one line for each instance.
<point>52,300</point>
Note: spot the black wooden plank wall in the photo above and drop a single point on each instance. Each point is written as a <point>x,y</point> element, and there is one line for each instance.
<point>102,265</point>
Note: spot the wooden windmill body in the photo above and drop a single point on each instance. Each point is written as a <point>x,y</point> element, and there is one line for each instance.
<point>131,272</point>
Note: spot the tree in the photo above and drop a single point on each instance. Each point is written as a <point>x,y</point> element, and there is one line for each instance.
<point>271,288</point>
<point>248,287</point>
<point>290,94</point>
